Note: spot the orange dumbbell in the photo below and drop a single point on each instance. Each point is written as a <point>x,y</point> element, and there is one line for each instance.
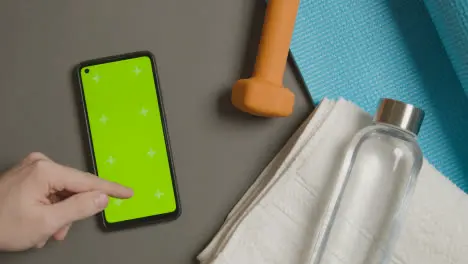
<point>264,94</point>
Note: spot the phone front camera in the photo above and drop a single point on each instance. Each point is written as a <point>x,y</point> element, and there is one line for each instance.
<point>86,70</point>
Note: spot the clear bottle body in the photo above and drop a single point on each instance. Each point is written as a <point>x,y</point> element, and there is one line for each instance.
<point>361,223</point>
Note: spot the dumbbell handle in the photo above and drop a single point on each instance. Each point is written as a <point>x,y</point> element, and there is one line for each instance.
<point>277,31</point>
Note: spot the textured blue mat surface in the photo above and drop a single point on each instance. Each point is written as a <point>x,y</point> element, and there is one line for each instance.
<point>410,50</point>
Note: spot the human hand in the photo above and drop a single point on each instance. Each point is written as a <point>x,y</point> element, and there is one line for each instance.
<point>40,199</point>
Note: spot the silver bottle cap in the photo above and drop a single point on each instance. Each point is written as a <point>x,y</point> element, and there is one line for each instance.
<point>399,114</point>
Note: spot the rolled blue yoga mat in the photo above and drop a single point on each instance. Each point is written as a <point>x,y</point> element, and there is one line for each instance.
<point>414,51</point>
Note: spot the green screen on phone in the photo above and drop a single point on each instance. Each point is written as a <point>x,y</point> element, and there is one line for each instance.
<point>128,137</point>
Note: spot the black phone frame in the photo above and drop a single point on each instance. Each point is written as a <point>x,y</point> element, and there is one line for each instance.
<point>145,220</point>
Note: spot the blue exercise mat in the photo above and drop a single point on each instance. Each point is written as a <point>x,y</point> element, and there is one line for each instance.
<point>413,51</point>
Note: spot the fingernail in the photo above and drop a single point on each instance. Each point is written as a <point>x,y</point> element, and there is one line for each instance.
<point>101,201</point>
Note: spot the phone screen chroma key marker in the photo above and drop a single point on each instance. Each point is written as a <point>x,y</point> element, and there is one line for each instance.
<point>128,137</point>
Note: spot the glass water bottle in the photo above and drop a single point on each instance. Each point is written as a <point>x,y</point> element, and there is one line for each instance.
<point>362,220</point>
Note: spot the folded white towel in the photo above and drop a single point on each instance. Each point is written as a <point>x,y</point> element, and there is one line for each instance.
<point>275,220</point>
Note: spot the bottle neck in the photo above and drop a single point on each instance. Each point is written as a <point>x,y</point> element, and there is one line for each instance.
<point>396,129</point>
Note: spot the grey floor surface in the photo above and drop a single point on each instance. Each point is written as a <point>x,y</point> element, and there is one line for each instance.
<point>202,48</point>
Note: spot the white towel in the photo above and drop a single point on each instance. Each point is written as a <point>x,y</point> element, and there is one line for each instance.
<point>275,220</point>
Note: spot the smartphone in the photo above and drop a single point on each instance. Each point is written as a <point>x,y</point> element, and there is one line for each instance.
<point>128,137</point>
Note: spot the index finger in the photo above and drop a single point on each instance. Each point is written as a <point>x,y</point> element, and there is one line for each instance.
<point>73,180</point>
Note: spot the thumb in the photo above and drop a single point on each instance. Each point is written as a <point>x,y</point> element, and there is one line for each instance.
<point>78,207</point>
